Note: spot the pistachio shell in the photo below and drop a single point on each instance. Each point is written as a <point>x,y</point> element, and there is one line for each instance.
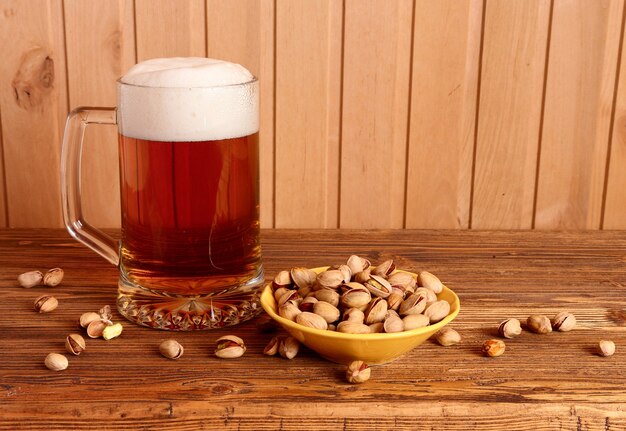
<point>46,304</point>
<point>289,311</point>
<point>356,299</point>
<point>413,304</point>
<point>290,295</point>
<point>95,329</point>
<point>430,281</point>
<point>307,303</point>
<point>280,292</point>
<point>363,276</point>
<point>437,311</point>
<point>171,349</point>
<point>30,279</point>
<point>288,347</point>
<point>53,277</point>
<point>539,324</point>
<point>87,318</point>
<point>303,276</point>
<point>447,337</point>
<point>354,315</point>
<point>357,264</point>
<point>377,327</point>
<point>56,362</point>
<point>351,327</point>
<point>429,294</point>
<point>311,320</point>
<point>378,286</point>
<point>75,344</point>
<point>510,328</point>
<point>564,321</point>
<point>385,269</point>
<point>282,279</point>
<point>327,311</point>
<point>376,311</point>
<point>327,295</point>
<point>229,347</point>
<point>393,324</point>
<point>395,299</point>
<point>330,279</point>
<point>606,348</point>
<point>358,372</point>
<point>414,321</point>
<point>272,347</point>
<point>403,280</point>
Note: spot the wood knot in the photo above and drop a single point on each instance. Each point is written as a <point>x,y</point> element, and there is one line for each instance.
<point>34,78</point>
<point>221,389</point>
<point>617,316</point>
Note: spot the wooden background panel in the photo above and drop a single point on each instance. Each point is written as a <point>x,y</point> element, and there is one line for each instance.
<point>307,114</point>
<point>242,31</point>
<point>579,98</point>
<point>511,90</point>
<point>376,74</point>
<point>33,102</point>
<point>170,28</point>
<point>3,203</point>
<point>443,112</point>
<point>100,44</point>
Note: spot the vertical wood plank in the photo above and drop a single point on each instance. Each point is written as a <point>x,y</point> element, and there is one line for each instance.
<point>579,95</point>
<point>100,48</point>
<point>615,204</point>
<point>33,103</point>
<point>3,203</point>
<point>170,28</point>
<point>376,73</point>
<point>242,31</point>
<point>308,60</point>
<point>512,82</point>
<point>443,111</point>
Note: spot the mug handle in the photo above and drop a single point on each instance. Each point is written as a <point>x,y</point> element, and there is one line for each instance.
<point>71,151</point>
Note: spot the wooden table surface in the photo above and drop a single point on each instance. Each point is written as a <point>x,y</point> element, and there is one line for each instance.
<point>542,382</point>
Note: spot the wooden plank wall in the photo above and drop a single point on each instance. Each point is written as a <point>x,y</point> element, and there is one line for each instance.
<point>483,114</point>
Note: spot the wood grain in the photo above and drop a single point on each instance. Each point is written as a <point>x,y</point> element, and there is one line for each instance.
<point>443,111</point>
<point>170,28</point>
<point>3,196</point>
<point>308,58</point>
<point>579,98</point>
<point>512,77</point>
<point>242,31</point>
<point>545,382</point>
<point>34,105</point>
<point>100,44</point>
<point>376,74</point>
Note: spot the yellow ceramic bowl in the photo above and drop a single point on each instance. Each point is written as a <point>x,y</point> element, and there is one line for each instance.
<point>370,348</point>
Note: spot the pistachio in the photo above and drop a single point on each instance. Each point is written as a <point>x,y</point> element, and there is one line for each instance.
<point>363,276</point>
<point>429,294</point>
<point>282,279</point>
<point>332,327</point>
<point>346,271</point>
<point>105,314</point>
<point>112,331</point>
<point>378,286</point>
<point>393,324</point>
<point>307,303</point>
<point>229,347</point>
<point>414,321</point>
<point>385,269</point>
<point>376,311</point>
<point>392,313</point>
<point>447,337</point>
<point>493,348</point>
<point>413,304</point>
<point>357,264</point>
<point>327,311</point>
<point>429,281</point>
<point>53,277</point>
<point>356,299</point>
<point>354,315</point>
<point>272,347</point>
<point>395,299</point>
<point>280,292</point>
<point>30,279</point>
<point>45,304</point>
<point>303,277</point>
<point>403,280</point>
<point>358,372</point>
<point>510,328</point>
<point>377,327</point>
<point>437,311</point>
<point>311,320</point>
<point>352,327</point>
<point>330,279</point>
<point>75,344</point>
<point>606,348</point>
<point>96,328</point>
<point>305,291</point>
<point>564,321</point>
<point>87,318</point>
<point>171,349</point>
<point>327,295</point>
<point>290,295</point>
<point>289,310</point>
<point>56,362</point>
<point>288,347</point>
<point>539,324</point>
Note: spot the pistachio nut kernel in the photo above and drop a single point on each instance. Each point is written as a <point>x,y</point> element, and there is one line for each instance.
<point>288,347</point>
<point>385,269</point>
<point>606,348</point>
<point>75,344</point>
<point>171,349</point>
<point>327,311</point>
<point>493,348</point>
<point>272,347</point>
<point>376,311</point>
<point>56,362</point>
<point>112,331</point>
<point>564,322</point>
<point>53,277</point>
<point>352,327</point>
<point>447,337</point>
<point>510,328</point>
<point>358,372</point>
<point>229,347</point>
<point>357,264</point>
<point>378,286</point>
<point>30,279</point>
<point>45,304</point>
<point>311,320</point>
<point>437,311</point>
<point>539,324</point>
<point>429,281</point>
<point>87,318</point>
<point>414,321</point>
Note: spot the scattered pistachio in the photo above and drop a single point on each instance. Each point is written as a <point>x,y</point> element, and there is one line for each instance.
<point>539,324</point>
<point>112,331</point>
<point>272,347</point>
<point>53,277</point>
<point>105,314</point>
<point>96,328</point>
<point>75,344</point>
<point>358,372</point>
<point>45,304</point>
<point>510,328</point>
<point>229,347</point>
<point>564,321</point>
<point>288,347</point>
<point>171,349</point>
<point>87,318</point>
<point>447,337</point>
<point>606,348</point>
<point>30,279</point>
<point>56,362</point>
<point>493,348</point>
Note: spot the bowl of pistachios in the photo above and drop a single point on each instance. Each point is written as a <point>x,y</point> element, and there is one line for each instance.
<point>358,311</point>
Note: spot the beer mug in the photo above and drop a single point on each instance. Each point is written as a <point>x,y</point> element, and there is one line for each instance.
<point>189,254</point>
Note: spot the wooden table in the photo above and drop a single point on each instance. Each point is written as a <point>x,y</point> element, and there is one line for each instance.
<point>552,381</point>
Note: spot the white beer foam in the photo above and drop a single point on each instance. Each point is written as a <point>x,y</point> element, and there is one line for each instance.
<point>187,99</point>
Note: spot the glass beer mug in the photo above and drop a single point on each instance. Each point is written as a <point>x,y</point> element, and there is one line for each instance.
<point>189,255</point>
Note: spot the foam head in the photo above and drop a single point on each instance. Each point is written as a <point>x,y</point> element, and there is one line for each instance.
<point>187,99</point>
